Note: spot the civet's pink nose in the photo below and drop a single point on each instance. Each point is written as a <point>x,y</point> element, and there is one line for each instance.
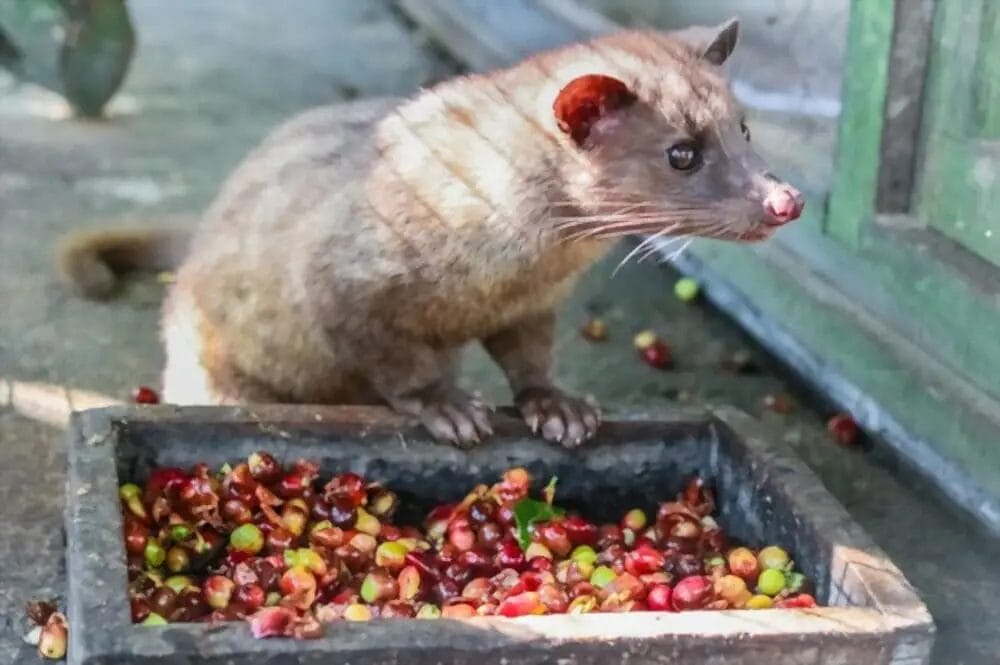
<point>783,204</point>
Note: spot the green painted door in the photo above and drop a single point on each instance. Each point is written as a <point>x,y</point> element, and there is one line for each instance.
<point>959,193</point>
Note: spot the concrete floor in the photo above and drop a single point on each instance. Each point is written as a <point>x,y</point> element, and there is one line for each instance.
<point>209,79</point>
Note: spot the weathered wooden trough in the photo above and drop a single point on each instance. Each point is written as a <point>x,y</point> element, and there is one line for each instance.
<point>765,494</point>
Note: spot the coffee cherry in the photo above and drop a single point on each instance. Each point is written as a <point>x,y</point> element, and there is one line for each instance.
<point>163,601</point>
<point>743,563</point>
<point>251,596</point>
<point>263,467</point>
<point>218,591</point>
<point>634,519</point>
<point>554,536</point>
<point>657,355</point>
<point>379,586</point>
<point>659,598</point>
<point>686,289</point>
<point>582,604</point>
<point>489,535</point>
<point>759,602</point>
<point>178,560</point>
<point>410,583</point>
<point>594,330</point>
<point>510,556</point>
<point>382,504</point>
<point>522,604</point>
<point>348,488</point>
<point>342,514</point>
<point>602,576</point>
<point>733,590</point>
<point>580,531</point>
<point>771,582</point>
<point>773,557</point>
<point>390,555</point>
<point>429,611</point>
<point>145,395</point>
<point>357,612</point>
<point>247,538</point>
<point>843,429</point>
<point>53,637</point>
<point>458,611</point>
<point>692,593</point>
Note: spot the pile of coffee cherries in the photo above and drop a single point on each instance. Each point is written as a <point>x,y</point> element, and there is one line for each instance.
<point>286,551</point>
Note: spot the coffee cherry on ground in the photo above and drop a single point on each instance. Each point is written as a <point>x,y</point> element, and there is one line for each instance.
<point>773,557</point>
<point>145,395</point>
<point>686,289</point>
<point>594,330</point>
<point>843,429</point>
<point>657,355</point>
<point>53,637</point>
<point>643,339</point>
<point>771,582</point>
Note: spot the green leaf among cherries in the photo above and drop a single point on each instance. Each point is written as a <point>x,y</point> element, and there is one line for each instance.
<point>528,512</point>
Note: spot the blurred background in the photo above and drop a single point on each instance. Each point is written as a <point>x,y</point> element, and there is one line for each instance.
<point>883,301</point>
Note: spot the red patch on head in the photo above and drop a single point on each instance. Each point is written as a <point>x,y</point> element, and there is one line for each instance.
<point>587,99</point>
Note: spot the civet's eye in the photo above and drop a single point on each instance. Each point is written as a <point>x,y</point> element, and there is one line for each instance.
<point>745,130</point>
<point>684,156</point>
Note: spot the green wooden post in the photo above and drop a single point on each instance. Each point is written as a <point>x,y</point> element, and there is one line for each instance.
<point>852,193</point>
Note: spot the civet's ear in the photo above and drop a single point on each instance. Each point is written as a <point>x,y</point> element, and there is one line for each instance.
<point>714,44</point>
<point>587,99</point>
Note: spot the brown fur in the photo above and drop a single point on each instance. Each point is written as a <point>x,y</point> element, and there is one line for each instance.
<point>359,247</point>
